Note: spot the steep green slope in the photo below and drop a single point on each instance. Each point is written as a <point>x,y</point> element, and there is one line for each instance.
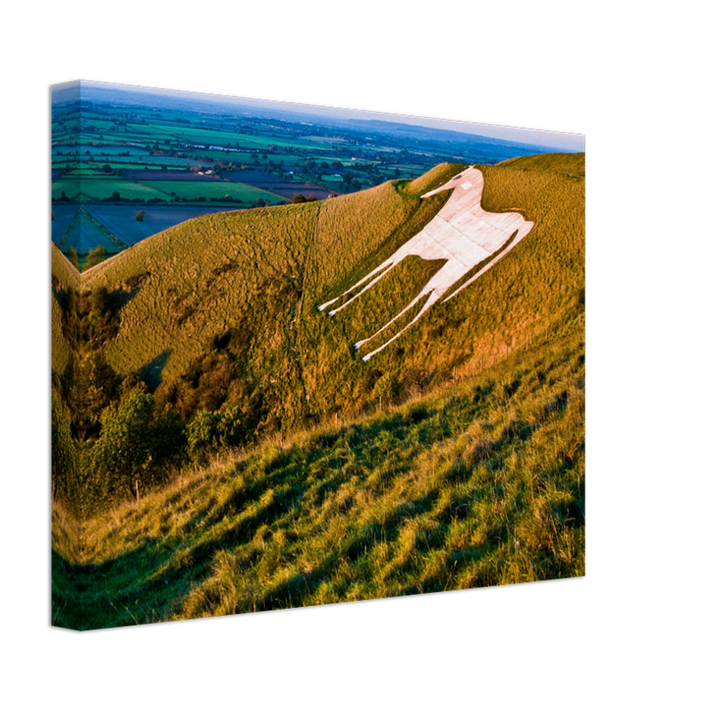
<point>454,458</point>
<point>220,315</point>
<point>64,278</point>
<point>520,296</point>
<point>254,279</point>
<point>242,289</point>
<point>479,484</point>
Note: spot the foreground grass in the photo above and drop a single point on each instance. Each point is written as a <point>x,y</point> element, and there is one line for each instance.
<point>480,484</point>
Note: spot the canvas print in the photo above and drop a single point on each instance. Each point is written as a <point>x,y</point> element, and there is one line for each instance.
<point>304,355</point>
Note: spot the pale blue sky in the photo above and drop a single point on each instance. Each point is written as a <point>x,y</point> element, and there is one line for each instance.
<point>551,139</point>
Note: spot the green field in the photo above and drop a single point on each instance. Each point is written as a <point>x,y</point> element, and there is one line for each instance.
<point>94,186</point>
<point>210,189</point>
<point>226,138</point>
<point>183,138</point>
<point>103,189</point>
<point>65,188</point>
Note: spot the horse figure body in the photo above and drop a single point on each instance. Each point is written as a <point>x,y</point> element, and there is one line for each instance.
<point>462,234</point>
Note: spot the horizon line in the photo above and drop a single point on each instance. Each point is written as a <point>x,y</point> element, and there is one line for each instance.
<point>556,140</point>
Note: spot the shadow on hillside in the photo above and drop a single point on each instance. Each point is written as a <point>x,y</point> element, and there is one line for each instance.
<point>124,591</point>
<point>129,288</point>
<point>122,298</point>
<point>152,371</point>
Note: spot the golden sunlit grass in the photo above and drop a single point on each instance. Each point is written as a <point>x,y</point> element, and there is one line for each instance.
<point>264,272</point>
<point>454,459</point>
<point>479,484</point>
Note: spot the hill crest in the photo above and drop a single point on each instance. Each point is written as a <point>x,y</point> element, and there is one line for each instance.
<point>221,311</point>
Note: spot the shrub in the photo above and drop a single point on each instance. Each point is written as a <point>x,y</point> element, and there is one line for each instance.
<point>202,432</point>
<point>217,431</point>
<point>123,453</point>
<point>232,429</point>
<point>204,387</point>
<point>134,445</point>
<point>169,440</point>
<point>95,256</point>
<point>387,389</point>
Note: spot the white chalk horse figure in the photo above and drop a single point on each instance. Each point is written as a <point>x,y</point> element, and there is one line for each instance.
<point>462,233</point>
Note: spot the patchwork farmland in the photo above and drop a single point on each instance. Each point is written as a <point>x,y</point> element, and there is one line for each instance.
<point>135,156</point>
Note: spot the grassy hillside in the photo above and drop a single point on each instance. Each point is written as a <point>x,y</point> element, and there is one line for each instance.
<point>64,278</point>
<point>481,483</point>
<point>274,467</point>
<point>260,274</point>
<point>253,280</point>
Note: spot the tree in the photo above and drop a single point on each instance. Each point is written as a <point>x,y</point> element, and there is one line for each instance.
<point>217,431</point>
<point>123,453</point>
<point>387,390</point>
<point>72,255</point>
<point>134,445</point>
<point>202,432</point>
<point>140,216</point>
<point>95,256</point>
